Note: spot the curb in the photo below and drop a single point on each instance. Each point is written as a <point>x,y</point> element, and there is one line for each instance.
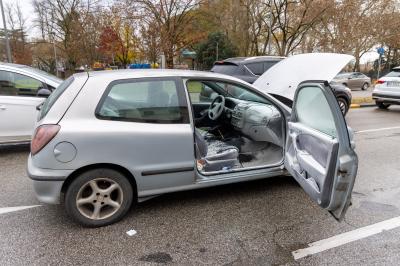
<point>356,105</point>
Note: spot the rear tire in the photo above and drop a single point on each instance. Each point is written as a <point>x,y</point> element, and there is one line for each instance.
<point>344,106</point>
<point>98,197</point>
<point>382,105</point>
<point>365,86</point>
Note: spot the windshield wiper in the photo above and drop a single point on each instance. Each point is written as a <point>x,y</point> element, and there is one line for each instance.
<point>39,107</point>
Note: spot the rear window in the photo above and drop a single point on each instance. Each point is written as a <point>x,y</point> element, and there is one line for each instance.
<point>228,69</point>
<point>54,96</point>
<point>394,73</point>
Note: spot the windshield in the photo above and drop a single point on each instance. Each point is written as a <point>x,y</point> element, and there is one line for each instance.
<point>44,74</point>
<point>228,69</point>
<point>54,96</point>
<point>394,73</point>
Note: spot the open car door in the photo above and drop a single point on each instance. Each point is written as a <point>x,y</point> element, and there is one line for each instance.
<point>318,150</point>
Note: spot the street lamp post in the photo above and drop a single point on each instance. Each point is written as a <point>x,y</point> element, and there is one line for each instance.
<point>55,52</point>
<point>9,59</point>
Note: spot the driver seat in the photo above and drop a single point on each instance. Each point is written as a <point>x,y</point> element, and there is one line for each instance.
<point>216,155</point>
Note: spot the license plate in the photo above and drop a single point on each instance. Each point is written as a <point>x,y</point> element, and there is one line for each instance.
<point>393,84</point>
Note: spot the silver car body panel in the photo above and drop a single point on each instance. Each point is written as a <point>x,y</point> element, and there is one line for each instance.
<point>18,113</point>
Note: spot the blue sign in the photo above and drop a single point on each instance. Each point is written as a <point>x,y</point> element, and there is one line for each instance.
<point>380,51</point>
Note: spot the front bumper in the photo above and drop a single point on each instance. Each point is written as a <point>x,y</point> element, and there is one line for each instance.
<point>47,183</point>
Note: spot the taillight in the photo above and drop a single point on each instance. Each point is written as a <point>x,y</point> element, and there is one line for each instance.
<point>43,135</point>
<point>379,81</point>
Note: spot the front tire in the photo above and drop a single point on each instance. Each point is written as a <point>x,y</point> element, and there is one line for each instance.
<point>98,197</point>
<point>382,105</point>
<point>365,86</point>
<point>344,106</point>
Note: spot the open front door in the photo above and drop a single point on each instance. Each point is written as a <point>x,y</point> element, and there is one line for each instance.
<point>318,150</point>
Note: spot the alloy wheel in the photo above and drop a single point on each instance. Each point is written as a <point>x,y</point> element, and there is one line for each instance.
<point>99,198</point>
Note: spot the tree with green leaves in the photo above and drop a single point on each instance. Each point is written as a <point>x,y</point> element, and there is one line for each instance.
<point>216,47</point>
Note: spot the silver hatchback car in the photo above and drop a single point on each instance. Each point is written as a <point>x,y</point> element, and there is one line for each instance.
<point>105,140</point>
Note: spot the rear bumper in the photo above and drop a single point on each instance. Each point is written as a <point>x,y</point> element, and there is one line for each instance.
<point>386,98</point>
<point>47,183</point>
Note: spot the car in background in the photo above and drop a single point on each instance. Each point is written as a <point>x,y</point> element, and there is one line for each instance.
<point>22,89</point>
<point>353,80</point>
<point>250,69</point>
<point>387,89</point>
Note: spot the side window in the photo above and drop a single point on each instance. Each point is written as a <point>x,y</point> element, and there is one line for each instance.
<point>200,92</point>
<point>312,110</point>
<point>256,68</point>
<point>268,65</point>
<point>144,100</point>
<point>14,84</point>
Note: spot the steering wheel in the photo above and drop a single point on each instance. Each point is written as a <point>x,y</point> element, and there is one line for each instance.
<point>216,107</point>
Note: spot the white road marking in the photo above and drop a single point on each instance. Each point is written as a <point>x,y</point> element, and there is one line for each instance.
<point>377,129</point>
<point>18,208</point>
<point>131,232</point>
<point>339,240</point>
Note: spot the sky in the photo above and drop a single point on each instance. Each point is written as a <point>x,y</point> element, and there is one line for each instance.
<point>28,13</point>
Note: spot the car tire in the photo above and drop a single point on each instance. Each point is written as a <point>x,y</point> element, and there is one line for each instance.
<point>382,105</point>
<point>365,86</point>
<point>98,197</point>
<point>344,105</point>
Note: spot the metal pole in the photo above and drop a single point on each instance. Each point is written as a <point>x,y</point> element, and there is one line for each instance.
<point>379,66</point>
<point>55,52</point>
<point>9,59</point>
<point>217,52</point>
<point>269,33</point>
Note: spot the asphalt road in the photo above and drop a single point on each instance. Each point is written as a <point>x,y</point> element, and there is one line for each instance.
<point>259,222</point>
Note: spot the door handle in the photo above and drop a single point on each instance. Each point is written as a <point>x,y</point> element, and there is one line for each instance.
<point>3,107</point>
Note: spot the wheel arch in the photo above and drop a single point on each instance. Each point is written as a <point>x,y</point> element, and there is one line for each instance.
<point>115,167</point>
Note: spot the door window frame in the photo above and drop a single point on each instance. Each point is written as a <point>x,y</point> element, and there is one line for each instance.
<point>45,86</point>
<point>181,93</point>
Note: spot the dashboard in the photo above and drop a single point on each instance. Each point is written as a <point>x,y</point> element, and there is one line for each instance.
<point>258,121</point>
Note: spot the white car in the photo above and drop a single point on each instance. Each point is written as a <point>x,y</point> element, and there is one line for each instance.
<point>22,88</point>
<point>387,89</point>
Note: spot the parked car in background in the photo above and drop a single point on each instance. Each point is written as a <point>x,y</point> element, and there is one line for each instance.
<point>387,89</point>
<point>250,69</point>
<point>22,88</point>
<point>117,137</point>
<point>353,80</point>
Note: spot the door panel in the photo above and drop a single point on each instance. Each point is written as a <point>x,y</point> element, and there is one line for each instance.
<point>18,116</point>
<point>318,150</point>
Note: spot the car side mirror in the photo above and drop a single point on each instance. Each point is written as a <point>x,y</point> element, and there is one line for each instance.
<point>43,92</point>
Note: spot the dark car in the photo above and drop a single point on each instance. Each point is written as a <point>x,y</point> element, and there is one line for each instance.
<point>250,69</point>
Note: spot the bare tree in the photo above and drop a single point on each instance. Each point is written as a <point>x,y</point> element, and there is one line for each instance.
<point>170,18</point>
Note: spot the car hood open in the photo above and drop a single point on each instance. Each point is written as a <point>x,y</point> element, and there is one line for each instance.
<point>284,77</point>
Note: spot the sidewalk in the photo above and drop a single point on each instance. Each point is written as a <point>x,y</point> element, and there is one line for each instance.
<point>362,98</point>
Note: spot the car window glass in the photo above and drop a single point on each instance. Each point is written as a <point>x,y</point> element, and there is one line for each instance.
<point>256,68</point>
<point>393,74</point>
<point>226,68</point>
<point>312,110</point>
<point>151,101</point>
<point>54,96</point>
<point>14,84</point>
<point>268,65</point>
<point>200,92</point>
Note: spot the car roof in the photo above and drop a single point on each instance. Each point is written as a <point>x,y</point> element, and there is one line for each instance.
<point>252,59</point>
<point>396,68</point>
<point>143,73</point>
<point>32,72</point>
